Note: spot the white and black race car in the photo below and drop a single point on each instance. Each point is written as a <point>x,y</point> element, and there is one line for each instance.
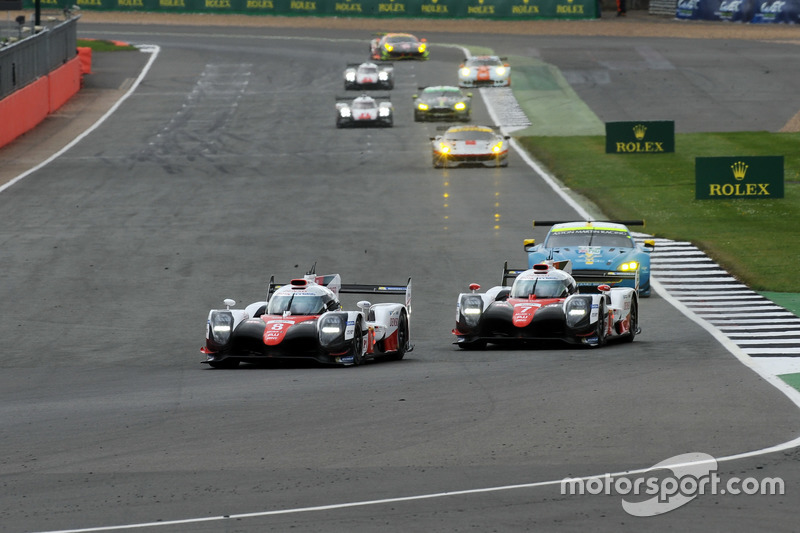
<point>364,110</point>
<point>544,304</point>
<point>304,319</point>
<point>364,76</point>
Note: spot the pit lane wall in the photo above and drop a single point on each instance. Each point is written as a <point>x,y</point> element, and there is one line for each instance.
<point>445,9</point>
<point>756,11</point>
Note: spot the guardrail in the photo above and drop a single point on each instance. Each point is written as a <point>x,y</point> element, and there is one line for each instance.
<point>444,9</point>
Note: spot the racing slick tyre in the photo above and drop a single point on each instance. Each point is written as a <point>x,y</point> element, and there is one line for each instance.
<point>402,339</point>
<point>417,117</point>
<point>634,325</point>
<point>358,346</point>
<point>600,331</point>
<point>437,163</point>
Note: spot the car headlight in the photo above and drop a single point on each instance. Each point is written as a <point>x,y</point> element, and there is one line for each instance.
<point>577,311</point>
<point>464,72</point>
<point>497,148</point>
<point>629,266</point>
<point>444,148</point>
<point>461,106</point>
<point>501,71</point>
<point>220,326</point>
<point>383,75</point>
<point>422,47</point>
<point>471,308</point>
<point>331,329</point>
<point>344,112</point>
<point>350,76</point>
<point>384,111</point>
<point>388,47</point>
<point>422,106</point>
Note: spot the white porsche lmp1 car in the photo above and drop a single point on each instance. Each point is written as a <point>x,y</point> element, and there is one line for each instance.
<point>362,76</point>
<point>544,304</point>
<point>364,110</point>
<point>304,320</point>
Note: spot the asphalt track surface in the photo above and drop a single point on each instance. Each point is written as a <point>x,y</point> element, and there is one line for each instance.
<point>224,167</point>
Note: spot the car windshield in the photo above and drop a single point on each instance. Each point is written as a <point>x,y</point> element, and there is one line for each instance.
<point>588,237</point>
<point>438,93</point>
<point>469,135</point>
<point>539,288</point>
<point>369,70</point>
<point>483,61</point>
<point>401,39</point>
<point>363,104</point>
<point>296,304</point>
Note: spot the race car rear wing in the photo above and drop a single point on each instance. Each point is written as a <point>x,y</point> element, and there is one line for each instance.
<point>538,223</point>
<point>355,288</point>
<point>384,97</point>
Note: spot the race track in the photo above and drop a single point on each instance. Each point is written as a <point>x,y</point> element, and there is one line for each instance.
<point>223,168</point>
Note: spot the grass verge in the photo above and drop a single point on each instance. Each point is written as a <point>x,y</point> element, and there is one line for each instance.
<point>755,240</point>
<point>98,45</point>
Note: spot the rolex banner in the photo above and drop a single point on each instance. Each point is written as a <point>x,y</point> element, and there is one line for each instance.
<point>738,177</point>
<point>646,137</point>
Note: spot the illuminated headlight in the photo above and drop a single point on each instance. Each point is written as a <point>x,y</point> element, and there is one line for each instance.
<point>577,311</point>
<point>461,106</point>
<point>443,148</point>
<point>331,330</point>
<point>422,48</point>
<point>344,112</point>
<point>388,47</point>
<point>630,265</point>
<point>220,325</point>
<point>384,111</point>
<point>464,72</point>
<point>383,75</point>
<point>471,309</point>
<point>350,76</point>
<point>501,71</point>
<point>423,107</point>
<point>497,148</point>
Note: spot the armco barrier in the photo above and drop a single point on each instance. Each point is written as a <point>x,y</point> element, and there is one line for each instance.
<point>449,9</point>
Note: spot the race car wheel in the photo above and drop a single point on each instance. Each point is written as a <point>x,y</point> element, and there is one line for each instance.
<point>600,332</point>
<point>358,346</point>
<point>402,338</point>
<point>634,323</point>
<point>417,117</point>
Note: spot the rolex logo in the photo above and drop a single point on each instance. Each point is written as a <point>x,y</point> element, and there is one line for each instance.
<point>739,170</point>
<point>638,131</point>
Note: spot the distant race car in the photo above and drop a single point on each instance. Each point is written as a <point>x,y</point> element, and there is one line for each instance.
<point>304,320</point>
<point>464,145</point>
<point>544,304</point>
<point>442,102</point>
<point>398,46</point>
<point>600,251</point>
<point>364,110</point>
<point>484,71</point>
<point>362,76</point>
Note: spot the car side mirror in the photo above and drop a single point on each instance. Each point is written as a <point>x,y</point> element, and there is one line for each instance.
<point>649,245</point>
<point>502,296</point>
<point>528,244</point>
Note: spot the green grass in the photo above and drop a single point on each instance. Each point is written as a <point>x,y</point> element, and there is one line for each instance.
<point>755,240</point>
<point>98,45</point>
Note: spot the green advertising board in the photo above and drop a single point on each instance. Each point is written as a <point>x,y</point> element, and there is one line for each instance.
<point>644,137</point>
<point>738,177</point>
<point>449,9</point>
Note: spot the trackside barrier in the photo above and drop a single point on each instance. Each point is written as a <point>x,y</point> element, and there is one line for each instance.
<point>445,9</point>
<point>85,55</point>
<point>24,109</point>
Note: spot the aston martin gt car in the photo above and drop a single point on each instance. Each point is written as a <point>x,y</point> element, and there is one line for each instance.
<point>544,304</point>
<point>442,102</point>
<point>304,319</point>
<point>364,110</point>
<point>363,76</point>
<point>470,145</point>
<point>601,251</point>
<point>398,46</point>
<point>484,71</point>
